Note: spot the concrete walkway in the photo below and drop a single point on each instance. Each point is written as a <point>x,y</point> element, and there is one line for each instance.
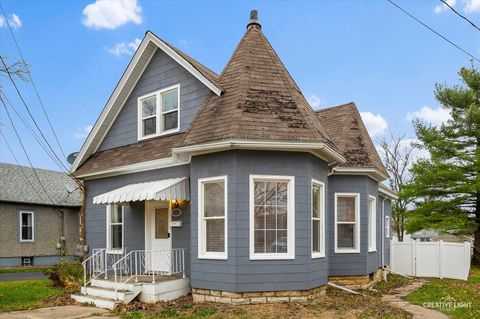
<point>418,312</point>
<point>14,276</point>
<point>63,312</point>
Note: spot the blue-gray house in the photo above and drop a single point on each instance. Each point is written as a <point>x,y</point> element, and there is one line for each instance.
<point>230,186</point>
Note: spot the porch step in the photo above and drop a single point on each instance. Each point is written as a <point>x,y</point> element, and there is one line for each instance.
<point>99,302</point>
<point>106,293</point>
<point>100,283</point>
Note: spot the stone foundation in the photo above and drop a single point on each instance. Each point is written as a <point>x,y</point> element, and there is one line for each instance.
<point>357,282</point>
<point>243,298</point>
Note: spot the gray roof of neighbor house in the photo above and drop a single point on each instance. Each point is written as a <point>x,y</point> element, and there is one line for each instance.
<point>14,186</point>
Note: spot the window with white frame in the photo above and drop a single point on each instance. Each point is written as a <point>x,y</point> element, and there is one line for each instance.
<point>158,112</point>
<point>115,217</point>
<point>27,227</point>
<point>272,217</point>
<point>347,223</point>
<point>387,226</point>
<point>212,210</point>
<point>318,219</point>
<point>372,224</point>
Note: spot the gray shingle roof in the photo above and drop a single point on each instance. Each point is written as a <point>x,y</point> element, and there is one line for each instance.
<point>14,187</point>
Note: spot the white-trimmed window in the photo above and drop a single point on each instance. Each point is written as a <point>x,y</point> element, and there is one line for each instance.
<point>272,217</point>
<point>347,223</point>
<point>115,231</point>
<point>27,226</point>
<point>372,223</point>
<point>212,218</point>
<point>318,219</point>
<point>387,226</point>
<point>159,112</point>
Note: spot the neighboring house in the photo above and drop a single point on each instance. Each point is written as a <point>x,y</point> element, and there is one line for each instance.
<point>33,223</point>
<point>431,235</point>
<point>231,180</point>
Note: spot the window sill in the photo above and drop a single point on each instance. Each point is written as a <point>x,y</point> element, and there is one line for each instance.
<point>114,252</point>
<point>213,256</point>
<point>318,255</point>
<point>347,251</point>
<point>27,241</point>
<point>272,257</point>
<point>166,133</point>
<point>373,250</point>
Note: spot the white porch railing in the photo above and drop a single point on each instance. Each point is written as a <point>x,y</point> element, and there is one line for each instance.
<point>98,264</point>
<point>149,263</point>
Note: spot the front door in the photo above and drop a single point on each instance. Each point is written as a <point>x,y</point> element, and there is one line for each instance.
<point>158,236</point>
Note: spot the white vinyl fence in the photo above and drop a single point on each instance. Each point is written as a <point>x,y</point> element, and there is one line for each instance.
<point>431,259</point>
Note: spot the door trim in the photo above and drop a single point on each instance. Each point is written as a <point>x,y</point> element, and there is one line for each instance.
<point>149,207</point>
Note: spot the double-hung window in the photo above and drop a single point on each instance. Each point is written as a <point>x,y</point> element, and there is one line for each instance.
<point>158,112</point>
<point>212,218</point>
<point>318,219</point>
<point>347,223</point>
<point>372,224</point>
<point>26,226</point>
<point>115,217</point>
<point>272,217</point>
<point>387,226</point>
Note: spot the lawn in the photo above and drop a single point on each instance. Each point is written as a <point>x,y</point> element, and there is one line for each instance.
<point>21,269</point>
<point>455,298</point>
<point>336,304</point>
<point>26,294</point>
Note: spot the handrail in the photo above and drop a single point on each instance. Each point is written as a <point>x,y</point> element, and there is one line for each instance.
<point>152,263</point>
<point>95,265</point>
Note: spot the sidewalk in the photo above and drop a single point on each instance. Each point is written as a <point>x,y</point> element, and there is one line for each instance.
<point>418,312</point>
<point>63,312</point>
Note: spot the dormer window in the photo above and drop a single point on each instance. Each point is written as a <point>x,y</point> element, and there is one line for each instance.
<point>158,112</point>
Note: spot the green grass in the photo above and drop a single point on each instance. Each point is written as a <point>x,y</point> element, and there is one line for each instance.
<point>25,294</point>
<point>21,269</point>
<point>456,298</point>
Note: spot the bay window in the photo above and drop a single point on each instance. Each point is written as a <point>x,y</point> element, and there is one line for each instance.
<point>318,219</point>
<point>158,112</point>
<point>212,218</point>
<point>272,217</point>
<point>347,223</point>
<point>372,224</point>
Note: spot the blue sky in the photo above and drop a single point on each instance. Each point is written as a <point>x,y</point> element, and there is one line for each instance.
<point>338,51</point>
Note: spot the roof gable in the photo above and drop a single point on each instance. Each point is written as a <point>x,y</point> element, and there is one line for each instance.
<point>260,100</point>
<point>346,127</point>
<point>137,65</point>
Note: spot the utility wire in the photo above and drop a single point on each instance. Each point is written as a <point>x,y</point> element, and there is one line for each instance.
<point>31,80</point>
<point>18,163</point>
<point>460,15</point>
<point>25,151</point>
<point>28,109</point>
<point>437,33</point>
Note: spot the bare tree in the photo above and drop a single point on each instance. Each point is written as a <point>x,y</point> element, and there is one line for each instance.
<point>396,152</point>
<point>16,69</point>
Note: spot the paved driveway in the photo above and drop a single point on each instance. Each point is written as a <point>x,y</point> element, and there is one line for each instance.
<point>63,312</point>
<point>13,276</point>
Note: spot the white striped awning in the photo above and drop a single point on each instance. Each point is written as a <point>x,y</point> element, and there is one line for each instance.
<point>166,189</point>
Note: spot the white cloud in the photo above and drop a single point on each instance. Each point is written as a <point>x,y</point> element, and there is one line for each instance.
<point>83,132</point>
<point>108,14</point>
<point>431,116</point>
<point>443,7</point>
<point>183,43</point>
<point>315,101</point>
<point>124,48</point>
<point>13,20</point>
<point>472,6</point>
<point>376,124</point>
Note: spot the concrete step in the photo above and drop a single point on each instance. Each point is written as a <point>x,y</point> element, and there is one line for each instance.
<point>111,284</point>
<point>99,302</point>
<point>106,293</point>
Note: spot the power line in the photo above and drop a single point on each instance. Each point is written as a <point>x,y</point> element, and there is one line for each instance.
<point>28,110</point>
<point>18,163</point>
<point>437,33</point>
<point>460,15</point>
<point>31,80</point>
<point>25,151</point>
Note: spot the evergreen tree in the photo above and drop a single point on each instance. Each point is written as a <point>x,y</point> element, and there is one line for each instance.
<point>446,187</point>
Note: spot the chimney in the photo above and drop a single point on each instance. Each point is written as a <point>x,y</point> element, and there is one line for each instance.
<point>253,20</point>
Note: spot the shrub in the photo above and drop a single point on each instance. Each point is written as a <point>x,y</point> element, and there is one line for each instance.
<point>67,274</point>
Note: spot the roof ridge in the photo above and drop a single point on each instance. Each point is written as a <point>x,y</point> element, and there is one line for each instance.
<point>336,106</point>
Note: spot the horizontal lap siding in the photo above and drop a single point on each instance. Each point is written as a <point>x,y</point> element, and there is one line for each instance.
<point>239,273</point>
<point>134,225</point>
<point>352,263</point>
<point>161,72</point>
